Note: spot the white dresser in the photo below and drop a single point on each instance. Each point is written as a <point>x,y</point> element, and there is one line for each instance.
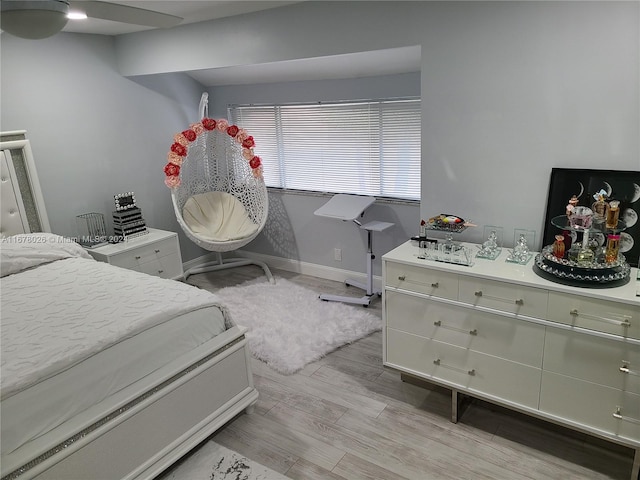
<point>499,332</point>
<point>156,253</point>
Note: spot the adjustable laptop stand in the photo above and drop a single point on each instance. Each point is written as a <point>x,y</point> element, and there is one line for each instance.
<point>348,208</point>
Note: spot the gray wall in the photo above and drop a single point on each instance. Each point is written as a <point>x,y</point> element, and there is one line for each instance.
<point>93,132</point>
<point>509,91</point>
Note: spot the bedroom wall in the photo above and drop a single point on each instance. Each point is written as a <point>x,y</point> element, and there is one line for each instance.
<point>93,132</point>
<point>510,89</point>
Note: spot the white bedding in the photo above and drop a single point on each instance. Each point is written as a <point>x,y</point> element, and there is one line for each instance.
<point>63,311</point>
<point>60,312</point>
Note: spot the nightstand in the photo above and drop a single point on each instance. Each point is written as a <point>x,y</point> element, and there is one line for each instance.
<point>156,253</point>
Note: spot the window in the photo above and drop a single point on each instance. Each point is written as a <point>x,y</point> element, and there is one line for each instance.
<point>364,147</point>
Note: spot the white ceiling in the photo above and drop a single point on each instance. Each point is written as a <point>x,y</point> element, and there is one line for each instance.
<point>189,11</point>
<point>364,64</point>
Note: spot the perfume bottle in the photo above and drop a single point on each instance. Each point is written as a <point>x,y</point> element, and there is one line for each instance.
<point>585,255</point>
<point>558,247</point>
<point>613,211</point>
<point>613,247</point>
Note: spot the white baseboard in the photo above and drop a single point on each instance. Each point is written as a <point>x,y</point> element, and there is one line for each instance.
<point>296,266</point>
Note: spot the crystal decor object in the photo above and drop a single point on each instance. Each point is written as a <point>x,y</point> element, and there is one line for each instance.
<point>492,245</point>
<point>521,252</point>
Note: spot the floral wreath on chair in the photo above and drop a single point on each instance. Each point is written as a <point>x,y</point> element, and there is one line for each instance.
<point>181,141</point>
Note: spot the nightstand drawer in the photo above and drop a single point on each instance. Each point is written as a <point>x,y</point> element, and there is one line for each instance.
<point>465,327</point>
<point>169,266</point>
<point>505,297</point>
<point>156,253</point>
<point>593,314</point>
<point>464,368</point>
<point>598,360</point>
<point>422,280</point>
<point>145,253</point>
<point>593,406</point>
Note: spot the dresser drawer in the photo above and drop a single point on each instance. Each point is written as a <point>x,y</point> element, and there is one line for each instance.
<point>465,327</point>
<point>144,253</point>
<point>464,369</point>
<point>593,406</point>
<point>616,318</point>
<point>169,266</point>
<point>505,297</point>
<point>598,360</point>
<point>422,280</point>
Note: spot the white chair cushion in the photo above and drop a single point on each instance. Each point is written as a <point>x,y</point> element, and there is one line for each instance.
<point>218,217</point>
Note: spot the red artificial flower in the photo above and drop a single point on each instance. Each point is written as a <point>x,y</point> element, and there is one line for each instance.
<point>248,142</point>
<point>209,123</point>
<point>232,130</point>
<point>171,170</point>
<point>255,162</point>
<point>189,135</point>
<point>179,149</point>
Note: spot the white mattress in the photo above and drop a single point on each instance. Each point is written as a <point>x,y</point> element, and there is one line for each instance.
<point>77,331</point>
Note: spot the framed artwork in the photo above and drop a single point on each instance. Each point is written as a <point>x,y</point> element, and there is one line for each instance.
<point>622,185</point>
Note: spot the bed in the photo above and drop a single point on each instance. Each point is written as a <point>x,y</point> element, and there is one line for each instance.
<point>107,373</point>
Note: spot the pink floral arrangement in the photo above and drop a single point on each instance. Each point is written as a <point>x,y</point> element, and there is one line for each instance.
<point>181,141</point>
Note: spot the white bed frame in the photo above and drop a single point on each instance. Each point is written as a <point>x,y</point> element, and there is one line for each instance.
<point>142,436</point>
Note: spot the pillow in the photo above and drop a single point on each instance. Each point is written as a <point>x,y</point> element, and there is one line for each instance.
<point>218,217</point>
<point>27,250</point>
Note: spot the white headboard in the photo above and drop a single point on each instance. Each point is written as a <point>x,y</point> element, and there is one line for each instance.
<point>22,208</point>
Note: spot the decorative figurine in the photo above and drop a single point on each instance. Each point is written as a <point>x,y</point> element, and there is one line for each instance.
<point>521,250</point>
<point>490,246</point>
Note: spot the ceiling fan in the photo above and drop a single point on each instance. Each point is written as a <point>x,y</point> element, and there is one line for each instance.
<point>36,19</point>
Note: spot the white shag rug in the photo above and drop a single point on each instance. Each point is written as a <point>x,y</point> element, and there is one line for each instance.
<point>214,462</point>
<point>289,326</point>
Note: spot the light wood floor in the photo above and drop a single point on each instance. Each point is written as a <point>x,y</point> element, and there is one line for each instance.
<point>348,417</point>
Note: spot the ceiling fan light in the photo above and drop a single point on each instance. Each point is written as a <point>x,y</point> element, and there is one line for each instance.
<point>34,19</point>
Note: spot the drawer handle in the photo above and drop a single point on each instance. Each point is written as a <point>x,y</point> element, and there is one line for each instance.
<point>624,368</point>
<point>435,285</point>
<point>157,251</point>
<point>138,257</point>
<point>160,271</point>
<point>402,278</point>
<point>621,323</point>
<point>471,372</point>
<point>438,323</point>
<point>518,301</point>
<point>618,414</point>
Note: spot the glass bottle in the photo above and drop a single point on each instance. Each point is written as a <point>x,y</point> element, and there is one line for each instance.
<point>613,211</point>
<point>585,256</point>
<point>573,252</point>
<point>567,240</point>
<point>613,247</point>
<point>558,247</point>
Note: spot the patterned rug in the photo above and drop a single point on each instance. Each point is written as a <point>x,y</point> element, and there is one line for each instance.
<point>215,462</point>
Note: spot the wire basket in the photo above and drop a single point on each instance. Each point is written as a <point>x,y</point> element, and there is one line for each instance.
<point>91,230</point>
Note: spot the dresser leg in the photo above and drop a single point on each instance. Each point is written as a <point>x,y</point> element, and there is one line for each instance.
<point>459,403</point>
<point>635,470</point>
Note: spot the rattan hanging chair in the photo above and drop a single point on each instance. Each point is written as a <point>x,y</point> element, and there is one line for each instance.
<point>218,192</point>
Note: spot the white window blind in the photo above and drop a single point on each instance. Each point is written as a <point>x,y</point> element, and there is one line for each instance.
<point>364,147</point>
